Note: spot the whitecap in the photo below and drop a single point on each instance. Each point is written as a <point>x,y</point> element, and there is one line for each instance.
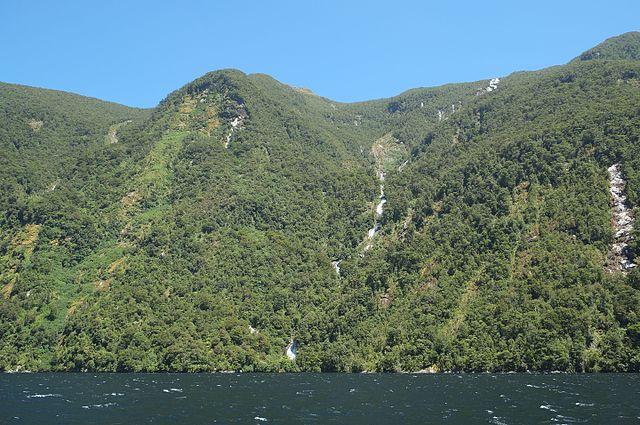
<point>99,406</point>
<point>584,404</point>
<point>547,407</point>
<point>563,418</point>
<point>260,418</point>
<point>43,395</point>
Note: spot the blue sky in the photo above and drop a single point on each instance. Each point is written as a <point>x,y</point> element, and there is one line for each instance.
<point>136,52</point>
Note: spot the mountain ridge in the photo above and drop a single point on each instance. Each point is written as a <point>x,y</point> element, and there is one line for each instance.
<point>622,47</point>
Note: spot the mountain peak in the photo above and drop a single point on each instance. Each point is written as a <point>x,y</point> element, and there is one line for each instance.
<point>622,47</point>
<point>223,80</point>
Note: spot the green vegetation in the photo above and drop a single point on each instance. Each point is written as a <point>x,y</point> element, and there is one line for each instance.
<point>200,236</point>
<point>623,47</point>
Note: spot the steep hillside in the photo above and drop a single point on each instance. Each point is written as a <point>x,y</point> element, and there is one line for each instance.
<point>463,227</point>
<point>57,173</point>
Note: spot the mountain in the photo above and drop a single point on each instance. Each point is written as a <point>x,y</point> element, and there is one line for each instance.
<point>463,227</point>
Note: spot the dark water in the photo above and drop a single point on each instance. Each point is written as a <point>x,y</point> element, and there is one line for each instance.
<point>310,398</point>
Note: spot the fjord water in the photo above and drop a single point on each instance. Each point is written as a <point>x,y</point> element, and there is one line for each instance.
<point>63,398</point>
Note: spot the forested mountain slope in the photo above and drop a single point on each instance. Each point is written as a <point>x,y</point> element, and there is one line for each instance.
<point>208,233</point>
<point>498,230</point>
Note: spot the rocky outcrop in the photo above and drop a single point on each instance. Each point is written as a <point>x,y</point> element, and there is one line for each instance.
<point>493,85</point>
<point>112,135</point>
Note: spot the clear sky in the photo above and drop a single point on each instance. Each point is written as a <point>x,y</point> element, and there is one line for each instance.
<point>136,52</point>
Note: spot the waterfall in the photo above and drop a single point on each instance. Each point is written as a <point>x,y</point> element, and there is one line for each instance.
<point>618,258</point>
<point>336,266</point>
<point>379,210</point>
<point>292,350</point>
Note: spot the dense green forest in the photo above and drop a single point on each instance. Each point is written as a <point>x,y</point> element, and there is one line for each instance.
<point>207,233</point>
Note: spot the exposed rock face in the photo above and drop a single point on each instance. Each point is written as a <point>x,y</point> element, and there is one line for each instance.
<point>236,124</point>
<point>493,85</point>
<point>622,216</point>
<point>35,125</point>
